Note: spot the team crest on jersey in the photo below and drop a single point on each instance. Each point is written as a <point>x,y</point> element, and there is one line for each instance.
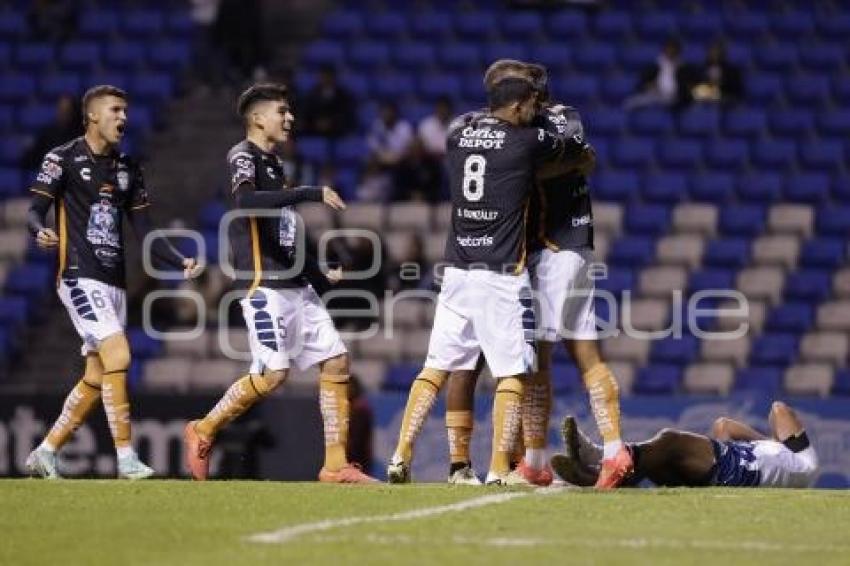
<point>50,171</point>
<point>103,225</point>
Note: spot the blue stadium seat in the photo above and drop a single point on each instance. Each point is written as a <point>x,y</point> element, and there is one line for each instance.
<point>656,26</point>
<point>727,153</point>
<point>841,89</point>
<point>615,185</point>
<point>604,121</point>
<point>809,285</point>
<point>11,150</point>
<point>13,311</point>
<point>833,25</point>
<point>618,279</point>
<point>357,84</point>
<point>431,25</point>
<point>80,55</point>
<point>578,90</point>
<point>764,88</point>
<point>791,25</point>
<point>841,382</point>
<point>522,26</point>
<point>323,52</point>
<point>632,252</point>
<point>57,84</point>
<point>343,24</point>
<point>502,50</point>
<point>566,379</point>
<point>699,120</point>
<point>678,351</point>
<point>633,152</point>
<point>314,148</point>
<point>807,187</point>
<point>665,187</point>
<point>567,24</point>
<point>796,124</point>
<point>350,151</point>
<point>368,54</point>
<point>386,24</point>
<point>763,380</point>
<point>648,219</point>
<point>760,187</point>
<point>211,213</point>
<point>823,253</point>
<point>778,57</point>
<point>833,220</point>
<point>460,56</point>
<point>11,181</point>
<point>822,57</point>
<point>794,318</point>
<point>658,379</point>
<point>399,377</point>
<point>651,120</point>
<point>143,346</point>
<point>475,25</point>
<point>834,122</point>
<point>825,155</point>
<point>179,24</point>
<point>142,23</point>
<point>732,253</point>
<point>97,22</point>
<point>345,180</point>
<point>739,54</point>
<point>807,90</point>
<point>703,26</point>
<point>713,187</point>
<point>554,56</point>
<point>613,23</point>
<point>595,57</point>
<point>5,53</point>
<point>778,349</point>
<point>413,54</point>
<point>29,280</point>
<point>123,54</point>
<point>774,153</point>
<point>832,481</point>
<point>680,154</point>
<point>745,122</point>
<point>742,220</point>
<point>171,55</point>
<point>841,187</point>
<point>616,87</point>
<point>432,87</point>
<point>152,87</point>
<point>714,278</point>
<point>34,56</point>
<point>110,78</point>
<point>7,117</point>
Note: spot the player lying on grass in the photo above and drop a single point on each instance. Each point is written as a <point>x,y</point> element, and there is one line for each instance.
<point>94,188</point>
<point>735,455</point>
<point>287,322</point>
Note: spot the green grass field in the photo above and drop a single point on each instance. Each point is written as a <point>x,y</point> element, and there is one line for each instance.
<point>230,523</point>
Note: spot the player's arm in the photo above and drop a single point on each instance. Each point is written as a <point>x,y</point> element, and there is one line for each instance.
<point>584,161</point>
<point>47,185</point>
<point>725,428</point>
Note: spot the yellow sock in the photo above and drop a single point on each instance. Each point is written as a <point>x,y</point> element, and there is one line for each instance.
<point>116,403</point>
<point>536,406</point>
<point>507,416</point>
<point>238,398</point>
<point>423,395</point>
<point>333,403</point>
<point>604,396</point>
<point>78,404</point>
<point>459,426</point>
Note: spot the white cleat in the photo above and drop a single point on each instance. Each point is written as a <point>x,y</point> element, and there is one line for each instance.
<point>42,463</point>
<point>398,472</point>
<point>131,468</point>
<point>511,478</point>
<point>464,476</point>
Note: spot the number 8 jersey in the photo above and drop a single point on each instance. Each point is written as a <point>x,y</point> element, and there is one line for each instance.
<point>491,166</point>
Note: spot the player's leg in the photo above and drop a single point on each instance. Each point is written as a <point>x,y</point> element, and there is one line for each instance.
<point>675,458</point>
<point>507,416</point>
<point>536,411</point>
<point>460,420</point>
<point>269,370</point>
<point>77,406</point>
<point>784,423</point>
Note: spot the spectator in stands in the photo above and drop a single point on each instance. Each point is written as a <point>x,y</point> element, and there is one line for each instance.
<point>433,129</point>
<point>376,184</point>
<point>360,426</point>
<point>665,82</point>
<point>66,126</point>
<point>53,20</point>
<point>412,270</point>
<point>328,108</point>
<point>718,80</point>
<point>390,137</point>
<point>207,67</point>
<point>420,176</point>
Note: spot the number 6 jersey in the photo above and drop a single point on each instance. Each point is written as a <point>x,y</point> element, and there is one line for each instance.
<point>491,167</point>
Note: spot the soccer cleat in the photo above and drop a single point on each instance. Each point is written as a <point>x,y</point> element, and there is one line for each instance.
<point>511,478</point>
<point>350,473</point>
<point>131,468</point>
<point>573,471</point>
<point>398,472</point>
<point>42,462</point>
<point>464,476</point>
<point>615,470</point>
<point>543,477</point>
<point>197,452</point>
<point>577,445</point>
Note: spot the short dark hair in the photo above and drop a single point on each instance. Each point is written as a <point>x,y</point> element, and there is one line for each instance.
<point>100,91</point>
<point>261,92</point>
<point>498,69</point>
<point>509,90</point>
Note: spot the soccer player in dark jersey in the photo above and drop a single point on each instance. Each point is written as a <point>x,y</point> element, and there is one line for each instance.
<point>485,303</point>
<point>734,455</point>
<point>287,322</point>
<point>93,186</point>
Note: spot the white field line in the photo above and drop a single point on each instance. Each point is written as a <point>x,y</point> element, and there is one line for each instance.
<point>287,534</point>
<point>590,542</point>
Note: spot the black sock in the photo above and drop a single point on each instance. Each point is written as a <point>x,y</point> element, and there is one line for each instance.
<point>797,443</point>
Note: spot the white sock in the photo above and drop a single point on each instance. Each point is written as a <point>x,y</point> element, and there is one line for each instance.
<point>45,445</point>
<point>535,458</point>
<point>124,451</point>
<point>610,449</point>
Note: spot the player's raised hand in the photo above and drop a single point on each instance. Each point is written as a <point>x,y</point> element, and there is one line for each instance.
<point>332,199</point>
<point>46,239</point>
<point>191,268</point>
<point>334,275</point>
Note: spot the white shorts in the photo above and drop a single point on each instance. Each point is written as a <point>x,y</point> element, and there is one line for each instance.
<point>780,467</point>
<point>565,292</point>
<point>481,311</point>
<point>289,324</point>
<point>97,310</point>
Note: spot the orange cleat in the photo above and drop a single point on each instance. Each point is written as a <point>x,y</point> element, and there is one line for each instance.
<point>350,473</point>
<point>615,470</point>
<point>197,451</point>
<point>542,477</point>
